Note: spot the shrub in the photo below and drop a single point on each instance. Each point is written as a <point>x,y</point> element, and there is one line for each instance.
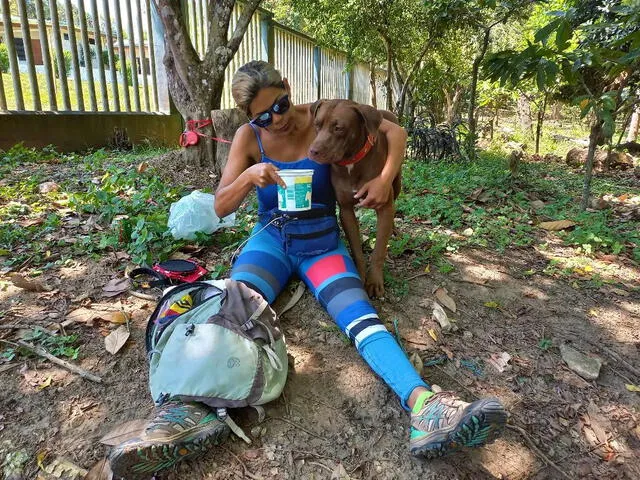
<point>4,58</point>
<point>67,64</point>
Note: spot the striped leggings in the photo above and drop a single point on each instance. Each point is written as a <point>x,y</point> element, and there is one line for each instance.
<point>332,277</point>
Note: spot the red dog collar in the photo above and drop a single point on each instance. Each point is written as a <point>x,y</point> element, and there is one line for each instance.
<point>371,140</point>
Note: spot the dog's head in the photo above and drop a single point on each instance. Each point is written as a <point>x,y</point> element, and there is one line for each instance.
<point>342,127</point>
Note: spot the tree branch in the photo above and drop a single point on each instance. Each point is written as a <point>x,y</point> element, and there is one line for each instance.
<point>241,27</point>
<point>177,41</point>
<point>220,17</point>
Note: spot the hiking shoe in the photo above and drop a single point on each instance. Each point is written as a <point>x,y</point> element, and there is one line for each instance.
<point>445,424</point>
<point>178,431</point>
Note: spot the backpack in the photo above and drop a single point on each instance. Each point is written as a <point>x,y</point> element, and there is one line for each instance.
<point>215,342</point>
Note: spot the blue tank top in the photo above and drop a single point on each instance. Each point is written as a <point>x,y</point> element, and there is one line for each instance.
<point>322,194</point>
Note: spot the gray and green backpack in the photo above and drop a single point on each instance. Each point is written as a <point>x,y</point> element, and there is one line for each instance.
<point>215,342</point>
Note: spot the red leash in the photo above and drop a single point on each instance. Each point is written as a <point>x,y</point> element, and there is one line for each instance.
<point>190,135</point>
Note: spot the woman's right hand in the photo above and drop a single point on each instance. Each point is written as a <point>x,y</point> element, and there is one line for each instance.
<point>263,174</point>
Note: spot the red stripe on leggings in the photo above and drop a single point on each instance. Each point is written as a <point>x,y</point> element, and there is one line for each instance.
<point>326,268</point>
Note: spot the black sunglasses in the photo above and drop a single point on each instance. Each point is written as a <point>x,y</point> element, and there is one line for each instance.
<point>280,106</point>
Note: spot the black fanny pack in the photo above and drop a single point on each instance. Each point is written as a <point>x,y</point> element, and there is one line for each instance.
<point>305,234</point>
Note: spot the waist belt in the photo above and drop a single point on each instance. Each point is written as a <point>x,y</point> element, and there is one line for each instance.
<point>278,217</point>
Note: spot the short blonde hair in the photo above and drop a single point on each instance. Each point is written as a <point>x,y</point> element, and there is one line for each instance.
<point>250,78</point>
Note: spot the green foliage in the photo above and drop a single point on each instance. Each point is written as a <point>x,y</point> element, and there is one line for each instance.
<point>4,58</point>
<point>437,203</point>
<point>67,64</point>
<point>59,346</point>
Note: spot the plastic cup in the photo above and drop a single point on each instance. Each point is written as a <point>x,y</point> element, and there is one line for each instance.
<point>297,196</point>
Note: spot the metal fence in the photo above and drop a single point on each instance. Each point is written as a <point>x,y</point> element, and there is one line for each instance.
<point>105,56</point>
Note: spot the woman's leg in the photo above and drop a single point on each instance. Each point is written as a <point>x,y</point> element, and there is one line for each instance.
<point>334,281</point>
<point>262,265</point>
<point>440,422</point>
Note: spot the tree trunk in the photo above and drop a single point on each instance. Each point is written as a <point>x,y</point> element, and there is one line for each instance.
<point>556,111</point>
<point>471,117</point>
<point>405,85</point>
<point>541,112</point>
<point>634,126</point>
<point>453,103</point>
<point>594,137</point>
<point>374,87</point>
<point>523,108</point>
<point>387,81</point>
<point>195,84</point>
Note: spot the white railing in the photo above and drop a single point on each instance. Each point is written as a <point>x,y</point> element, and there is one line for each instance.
<point>106,56</point>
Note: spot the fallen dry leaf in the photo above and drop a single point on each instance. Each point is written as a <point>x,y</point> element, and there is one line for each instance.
<point>124,432</point>
<point>83,315</point>
<point>100,471</point>
<point>178,255</point>
<point>339,473</point>
<point>441,317</point>
<point>46,383</point>
<point>116,339</point>
<point>142,167</point>
<point>62,468</point>
<point>432,334</point>
<point>116,286</point>
<point>557,225</point>
<point>28,285</point>
<point>118,318</point>
<point>632,388</point>
<point>500,361</point>
<point>443,297</point>
<point>620,292</point>
<point>295,298</point>
<point>417,362</point>
<point>48,187</point>
<point>448,352</point>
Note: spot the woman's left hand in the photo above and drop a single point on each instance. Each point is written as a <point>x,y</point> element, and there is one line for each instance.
<point>373,194</point>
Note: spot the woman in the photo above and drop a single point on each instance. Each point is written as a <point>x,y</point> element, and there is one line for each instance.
<point>278,138</point>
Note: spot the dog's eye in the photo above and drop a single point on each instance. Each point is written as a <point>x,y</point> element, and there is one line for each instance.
<point>338,128</point>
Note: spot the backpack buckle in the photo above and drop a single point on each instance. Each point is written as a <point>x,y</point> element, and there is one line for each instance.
<point>190,329</point>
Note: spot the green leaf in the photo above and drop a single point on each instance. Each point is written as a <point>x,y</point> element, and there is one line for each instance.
<point>543,34</point>
<point>630,57</point>
<point>563,35</point>
<point>541,79</point>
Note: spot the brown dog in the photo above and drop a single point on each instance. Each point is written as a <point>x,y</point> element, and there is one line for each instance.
<point>348,139</point>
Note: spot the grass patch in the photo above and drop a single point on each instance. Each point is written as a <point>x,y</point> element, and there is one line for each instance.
<point>103,204</point>
<point>27,95</point>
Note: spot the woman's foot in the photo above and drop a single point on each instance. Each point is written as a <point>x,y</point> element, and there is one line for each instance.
<point>441,424</point>
<point>178,431</point>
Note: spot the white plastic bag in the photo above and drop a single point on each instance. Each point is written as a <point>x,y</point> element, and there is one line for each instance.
<point>195,213</point>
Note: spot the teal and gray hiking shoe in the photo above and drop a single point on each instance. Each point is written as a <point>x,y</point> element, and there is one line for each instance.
<point>442,424</point>
<point>178,431</point>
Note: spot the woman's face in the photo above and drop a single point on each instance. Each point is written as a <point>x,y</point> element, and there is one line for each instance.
<point>265,101</point>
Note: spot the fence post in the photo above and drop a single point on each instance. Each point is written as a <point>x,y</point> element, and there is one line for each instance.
<point>13,60</point>
<point>3,98</point>
<point>46,57</point>
<point>268,38</point>
<point>28,51</point>
<point>59,59</point>
<point>316,71</point>
<point>164,102</point>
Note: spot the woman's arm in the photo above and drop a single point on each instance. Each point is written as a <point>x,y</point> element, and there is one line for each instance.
<point>376,192</point>
<point>241,173</point>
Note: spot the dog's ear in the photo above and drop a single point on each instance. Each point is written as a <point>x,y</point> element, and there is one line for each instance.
<point>372,117</point>
<point>315,106</point>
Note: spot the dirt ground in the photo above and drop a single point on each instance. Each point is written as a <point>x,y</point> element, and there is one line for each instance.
<point>336,419</point>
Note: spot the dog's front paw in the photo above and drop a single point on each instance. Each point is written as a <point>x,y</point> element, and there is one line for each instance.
<point>374,285</point>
